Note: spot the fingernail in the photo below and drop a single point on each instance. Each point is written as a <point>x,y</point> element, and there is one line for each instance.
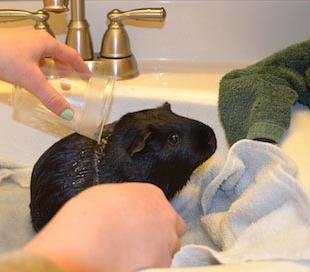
<point>67,114</point>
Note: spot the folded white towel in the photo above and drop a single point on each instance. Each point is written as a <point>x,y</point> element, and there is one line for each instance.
<point>15,225</point>
<point>15,171</point>
<point>252,209</point>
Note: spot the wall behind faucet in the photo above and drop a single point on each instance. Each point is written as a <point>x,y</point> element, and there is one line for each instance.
<point>217,32</point>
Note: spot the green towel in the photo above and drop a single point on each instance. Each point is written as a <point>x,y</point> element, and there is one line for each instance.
<point>256,102</point>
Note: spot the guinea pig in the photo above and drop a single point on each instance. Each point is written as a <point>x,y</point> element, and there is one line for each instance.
<point>153,145</point>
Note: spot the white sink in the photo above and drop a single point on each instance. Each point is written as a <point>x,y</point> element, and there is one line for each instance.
<point>192,90</point>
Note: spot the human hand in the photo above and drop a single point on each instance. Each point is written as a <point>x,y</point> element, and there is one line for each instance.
<point>112,227</point>
<point>21,52</point>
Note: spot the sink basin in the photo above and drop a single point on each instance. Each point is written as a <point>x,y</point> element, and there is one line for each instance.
<point>192,91</point>
<point>192,94</point>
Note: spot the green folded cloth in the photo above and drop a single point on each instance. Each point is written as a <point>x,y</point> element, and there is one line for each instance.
<point>256,102</point>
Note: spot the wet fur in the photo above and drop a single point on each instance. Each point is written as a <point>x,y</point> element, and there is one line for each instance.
<point>138,147</point>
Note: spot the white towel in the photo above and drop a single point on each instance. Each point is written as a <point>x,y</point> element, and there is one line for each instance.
<point>252,209</point>
<point>15,225</point>
<point>15,171</point>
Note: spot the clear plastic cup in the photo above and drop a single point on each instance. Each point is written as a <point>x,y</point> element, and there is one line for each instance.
<point>89,97</point>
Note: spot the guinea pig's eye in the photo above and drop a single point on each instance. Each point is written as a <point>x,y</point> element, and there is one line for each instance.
<point>174,139</point>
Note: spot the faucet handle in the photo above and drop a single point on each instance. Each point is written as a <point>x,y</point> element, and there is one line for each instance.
<point>115,52</point>
<point>145,14</point>
<point>11,15</point>
<point>40,17</point>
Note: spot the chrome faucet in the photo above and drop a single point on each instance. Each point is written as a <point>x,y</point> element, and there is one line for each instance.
<point>78,35</point>
<point>115,58</point>
<point>115,52</point>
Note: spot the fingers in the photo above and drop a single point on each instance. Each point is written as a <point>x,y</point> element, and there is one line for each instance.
<point>64,57</point>
<point>46,93</point>
<point>63,69</point>
<point>180,226</point>
<point>177,246</point>
<point>65,54</point>
<point>180,231</point>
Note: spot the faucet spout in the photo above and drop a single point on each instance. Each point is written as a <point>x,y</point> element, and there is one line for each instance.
<point>56,6</point>
<point>78,35</point>
<point>77,10</point>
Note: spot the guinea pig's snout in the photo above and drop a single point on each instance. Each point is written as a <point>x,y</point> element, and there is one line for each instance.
<point>212,144</point>
<point>206,140</point>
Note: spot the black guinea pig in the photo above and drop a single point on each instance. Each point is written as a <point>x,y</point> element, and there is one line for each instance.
<point>154,145</point>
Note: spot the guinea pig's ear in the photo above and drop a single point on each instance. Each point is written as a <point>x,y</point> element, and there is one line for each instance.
<point>138,142</point>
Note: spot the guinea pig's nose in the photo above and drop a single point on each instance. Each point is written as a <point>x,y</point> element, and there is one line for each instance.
<point>204,140</point>
<point>212,143</point>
